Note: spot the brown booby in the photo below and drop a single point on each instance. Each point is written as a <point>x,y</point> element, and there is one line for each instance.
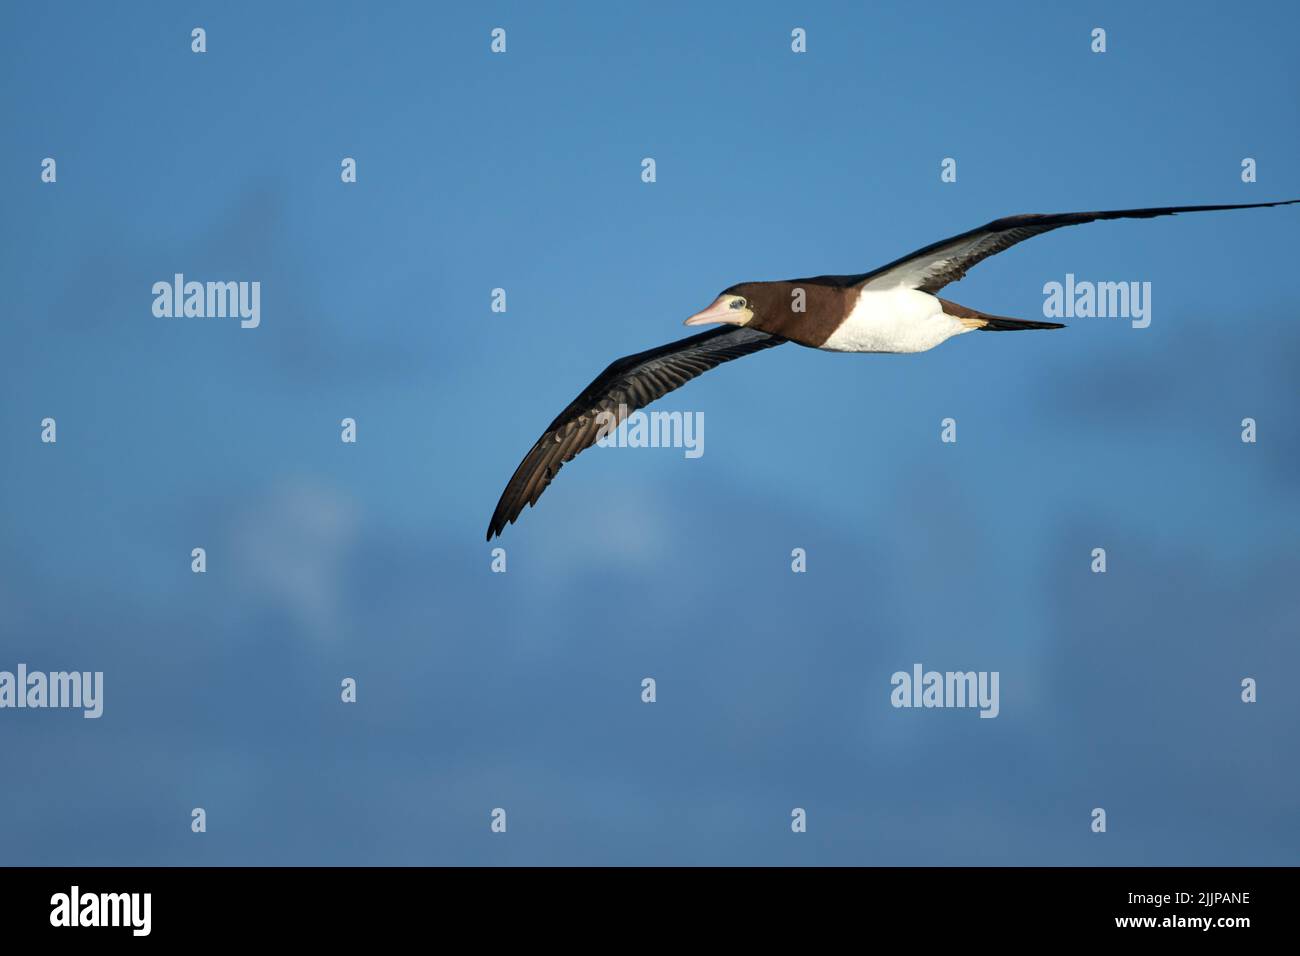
<point>890,309</point>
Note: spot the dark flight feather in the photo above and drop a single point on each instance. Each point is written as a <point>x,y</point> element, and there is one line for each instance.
<point>629,383</point>
<point>933,267</point>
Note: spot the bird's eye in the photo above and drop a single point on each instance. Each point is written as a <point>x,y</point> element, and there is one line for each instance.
<point>737,303</point>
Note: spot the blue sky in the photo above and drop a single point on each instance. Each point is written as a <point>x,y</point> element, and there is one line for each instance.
<point>522,690</point>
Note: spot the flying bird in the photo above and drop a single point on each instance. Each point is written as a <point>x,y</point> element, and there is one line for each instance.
<point>890,309</point>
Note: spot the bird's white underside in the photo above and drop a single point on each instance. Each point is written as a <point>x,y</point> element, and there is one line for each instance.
<point>894,320</point>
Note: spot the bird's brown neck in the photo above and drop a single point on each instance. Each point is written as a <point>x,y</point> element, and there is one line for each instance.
<point>801,312</point>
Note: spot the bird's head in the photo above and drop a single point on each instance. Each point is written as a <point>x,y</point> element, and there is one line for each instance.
<point>736,306</point>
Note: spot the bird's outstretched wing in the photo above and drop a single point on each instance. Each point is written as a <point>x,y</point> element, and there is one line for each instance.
<point>629,383</point>
<point>932,268</point>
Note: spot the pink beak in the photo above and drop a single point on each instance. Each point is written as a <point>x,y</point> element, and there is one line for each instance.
<point>719,311</point>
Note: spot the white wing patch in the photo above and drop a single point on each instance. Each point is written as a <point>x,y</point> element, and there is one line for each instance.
<point>916,273</point>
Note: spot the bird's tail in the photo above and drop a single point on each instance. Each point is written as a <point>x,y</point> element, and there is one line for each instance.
<point>975,319</point>
<point>997,323</point>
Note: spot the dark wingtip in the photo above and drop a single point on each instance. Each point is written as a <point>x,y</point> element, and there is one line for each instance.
<point>501,519</point>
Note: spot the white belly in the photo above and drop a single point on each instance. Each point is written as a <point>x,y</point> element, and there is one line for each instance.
<point>894,320</point>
